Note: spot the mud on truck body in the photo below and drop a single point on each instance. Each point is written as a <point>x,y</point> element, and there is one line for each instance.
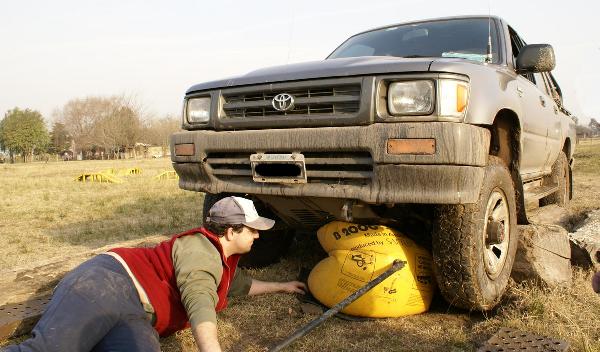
<point>443,128</point>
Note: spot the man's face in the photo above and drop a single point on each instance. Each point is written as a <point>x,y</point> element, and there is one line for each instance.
<point>244,239</point>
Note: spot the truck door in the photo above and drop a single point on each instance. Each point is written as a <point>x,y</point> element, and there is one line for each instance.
<point>535,109</point>
<point>555,131</point>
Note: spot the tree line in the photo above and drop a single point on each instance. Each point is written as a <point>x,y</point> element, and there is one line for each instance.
<point>102,126</point>
<point>591,130</point>
<point>91,127</point>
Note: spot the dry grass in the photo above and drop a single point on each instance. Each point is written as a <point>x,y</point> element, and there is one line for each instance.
<point>256,323</point>
<point>586,179</point>
<point>568,313</point>
<point>46,214</point>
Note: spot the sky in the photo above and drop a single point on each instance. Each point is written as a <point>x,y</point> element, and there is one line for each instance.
<point>55,51</point>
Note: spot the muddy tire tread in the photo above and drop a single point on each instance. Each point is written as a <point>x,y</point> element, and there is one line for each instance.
<point>456,257</point>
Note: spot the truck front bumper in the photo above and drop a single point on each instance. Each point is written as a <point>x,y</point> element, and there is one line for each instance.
<point>452,174</point>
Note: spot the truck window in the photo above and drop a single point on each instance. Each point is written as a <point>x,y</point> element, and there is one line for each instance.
<point>553,88</point>
<point>517,44</point>
<point>458,38</point>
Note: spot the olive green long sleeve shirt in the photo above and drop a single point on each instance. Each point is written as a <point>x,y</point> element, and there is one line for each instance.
<point>198,271</point>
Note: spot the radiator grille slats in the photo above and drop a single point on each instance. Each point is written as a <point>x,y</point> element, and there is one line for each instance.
<point>311,217</point>
<point>321,167</point>
<point>313,101</point>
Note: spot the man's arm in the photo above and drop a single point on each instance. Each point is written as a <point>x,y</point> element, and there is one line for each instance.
<point>198,270</point>
<point>259,287</point>
<point>206,338</point>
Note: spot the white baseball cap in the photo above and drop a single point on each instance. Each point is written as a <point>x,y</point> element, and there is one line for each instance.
<point>238,210</point>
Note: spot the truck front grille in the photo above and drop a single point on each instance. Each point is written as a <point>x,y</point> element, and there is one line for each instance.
<point>355,168</point>
<point>321,98</point>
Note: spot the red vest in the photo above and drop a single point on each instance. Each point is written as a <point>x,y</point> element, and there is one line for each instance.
<point>153,268</point>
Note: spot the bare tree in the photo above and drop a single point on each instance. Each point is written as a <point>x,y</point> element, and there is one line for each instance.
<point>80,117</point>
<point>594,126</point>
<point>158,131</point>
<point>107,123</point>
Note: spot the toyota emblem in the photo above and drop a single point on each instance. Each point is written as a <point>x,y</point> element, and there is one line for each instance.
<point>283,102</point>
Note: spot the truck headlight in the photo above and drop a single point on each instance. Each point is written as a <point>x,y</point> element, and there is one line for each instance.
<point>198,110</point>
<point>454,97</point>
<point>410,98</point>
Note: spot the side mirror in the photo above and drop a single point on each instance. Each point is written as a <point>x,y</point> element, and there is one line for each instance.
<point>536,58</point>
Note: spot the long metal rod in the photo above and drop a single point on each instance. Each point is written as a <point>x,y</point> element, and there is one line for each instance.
<point>396,265</point>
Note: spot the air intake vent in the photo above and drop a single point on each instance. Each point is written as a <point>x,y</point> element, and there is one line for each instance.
<point>354,168</point>
<point>312,218</point>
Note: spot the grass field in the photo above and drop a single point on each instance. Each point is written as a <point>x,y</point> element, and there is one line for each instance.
<point>45,214</point>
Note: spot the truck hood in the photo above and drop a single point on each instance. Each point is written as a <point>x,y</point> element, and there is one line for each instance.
<point>353,66</point>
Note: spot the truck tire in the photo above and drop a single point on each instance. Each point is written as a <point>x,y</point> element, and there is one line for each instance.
<point>474,245</point>
<point>270,247</point>
<point>561,175</point>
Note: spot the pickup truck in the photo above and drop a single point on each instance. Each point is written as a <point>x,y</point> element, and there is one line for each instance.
<point>449,129</point>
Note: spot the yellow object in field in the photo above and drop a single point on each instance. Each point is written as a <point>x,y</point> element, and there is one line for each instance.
<point>122,172</point>
<point>167,175</point>
<point>110,171</point>
<point>360,253</point>
<point>98,177</point>
<point>130,171</point>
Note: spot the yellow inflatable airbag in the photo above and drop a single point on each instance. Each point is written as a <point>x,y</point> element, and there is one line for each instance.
<point>360,253</point>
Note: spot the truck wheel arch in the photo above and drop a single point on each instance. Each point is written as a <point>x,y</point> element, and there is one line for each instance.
<point>567,149</point>
<point>505,144</point>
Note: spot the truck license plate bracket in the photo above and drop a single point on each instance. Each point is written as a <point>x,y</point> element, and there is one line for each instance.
<point>278,168</point>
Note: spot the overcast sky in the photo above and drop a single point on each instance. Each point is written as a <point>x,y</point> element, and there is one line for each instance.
<point>54,51</point>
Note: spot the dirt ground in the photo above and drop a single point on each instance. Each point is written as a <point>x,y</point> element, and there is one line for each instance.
<point>47,215</point>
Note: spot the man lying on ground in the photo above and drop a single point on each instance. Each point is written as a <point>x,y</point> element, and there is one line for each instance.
<point>125,299</point>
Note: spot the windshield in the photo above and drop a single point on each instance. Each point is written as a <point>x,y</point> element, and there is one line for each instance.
<point>460,38</point>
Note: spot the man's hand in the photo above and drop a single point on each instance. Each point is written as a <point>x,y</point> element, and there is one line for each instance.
<point>259,287</point>
<point>293,287</point>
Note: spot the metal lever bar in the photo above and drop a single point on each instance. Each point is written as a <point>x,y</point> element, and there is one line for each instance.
<point>396,265</point>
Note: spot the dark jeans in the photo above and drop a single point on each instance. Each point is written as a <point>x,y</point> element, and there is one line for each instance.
<point>94,308</point>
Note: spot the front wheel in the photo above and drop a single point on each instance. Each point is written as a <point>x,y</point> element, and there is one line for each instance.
<point>474,245</point>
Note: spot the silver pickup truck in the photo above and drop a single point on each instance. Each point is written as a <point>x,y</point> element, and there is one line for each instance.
<point>448,129</point>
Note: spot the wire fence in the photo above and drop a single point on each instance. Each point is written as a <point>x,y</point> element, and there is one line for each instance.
<point>588,140</point>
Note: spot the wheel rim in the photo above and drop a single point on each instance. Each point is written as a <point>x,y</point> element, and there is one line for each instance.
<point>495,254</point>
